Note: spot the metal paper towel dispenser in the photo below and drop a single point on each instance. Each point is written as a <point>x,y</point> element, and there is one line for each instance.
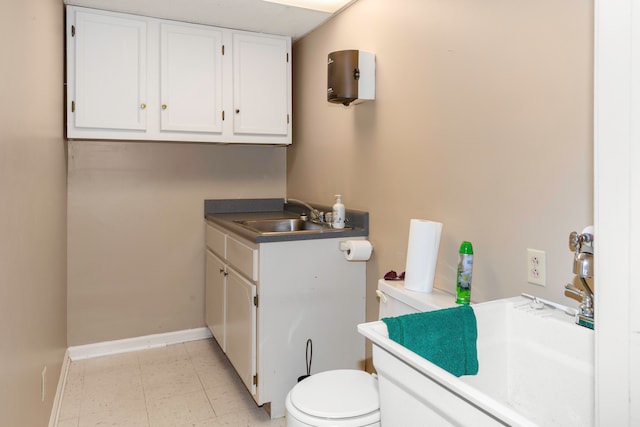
<point>350,76</point>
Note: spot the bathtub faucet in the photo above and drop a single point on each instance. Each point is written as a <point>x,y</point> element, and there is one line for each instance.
<point>582,245</point>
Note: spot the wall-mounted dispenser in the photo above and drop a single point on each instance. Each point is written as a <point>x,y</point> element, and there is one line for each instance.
<point>351,76</point>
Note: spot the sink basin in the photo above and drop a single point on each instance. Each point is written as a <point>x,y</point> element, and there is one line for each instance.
<point>285,225</point>
<point>536,368</point>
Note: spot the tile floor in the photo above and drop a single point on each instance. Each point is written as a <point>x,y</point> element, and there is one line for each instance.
<point>183,385</point>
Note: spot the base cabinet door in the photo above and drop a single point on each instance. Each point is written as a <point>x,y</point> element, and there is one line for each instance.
<point>215,298</point>
<point>241,328</point>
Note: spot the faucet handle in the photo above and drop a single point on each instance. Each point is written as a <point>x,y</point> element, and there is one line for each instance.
<point>577,241</point>
<point>586,306</point>
<point>575,291</point>
<point>574,241</point>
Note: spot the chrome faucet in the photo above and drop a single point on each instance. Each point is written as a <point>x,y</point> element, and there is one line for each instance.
<point>582,245</point>
<point>314,214</point>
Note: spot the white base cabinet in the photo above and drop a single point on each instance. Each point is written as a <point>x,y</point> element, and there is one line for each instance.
<point>231,317</point>
<point>137,78</point>
<point>278,295</point>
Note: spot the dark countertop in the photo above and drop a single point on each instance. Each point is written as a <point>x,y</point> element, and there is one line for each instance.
<point>224,212</point>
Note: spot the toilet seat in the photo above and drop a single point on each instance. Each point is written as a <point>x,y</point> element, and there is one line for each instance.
<point>342,397</point>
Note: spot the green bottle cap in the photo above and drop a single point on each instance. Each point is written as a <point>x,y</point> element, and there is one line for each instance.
<point>466,248</point>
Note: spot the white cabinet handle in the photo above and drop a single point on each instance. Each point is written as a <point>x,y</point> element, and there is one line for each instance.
<point>381,295</point>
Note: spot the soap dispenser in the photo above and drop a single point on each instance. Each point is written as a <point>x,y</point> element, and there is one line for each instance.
<point>338,213</point>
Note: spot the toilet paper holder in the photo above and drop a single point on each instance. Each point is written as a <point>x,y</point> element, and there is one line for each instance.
<point>356,250</point>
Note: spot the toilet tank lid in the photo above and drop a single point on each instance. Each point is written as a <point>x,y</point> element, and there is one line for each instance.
<point>337,394</point>
<point>420,301</point>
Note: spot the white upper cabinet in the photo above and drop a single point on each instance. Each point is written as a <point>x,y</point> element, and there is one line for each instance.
<point>260,87</point>
<point>110,72</point>
<point>137,78</point>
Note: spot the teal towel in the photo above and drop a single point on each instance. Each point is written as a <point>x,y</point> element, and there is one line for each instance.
<point>444,337</point>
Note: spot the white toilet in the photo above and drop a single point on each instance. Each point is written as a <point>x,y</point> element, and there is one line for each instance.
<point>348,397</point>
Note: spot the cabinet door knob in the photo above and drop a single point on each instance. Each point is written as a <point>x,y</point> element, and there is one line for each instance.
<point>237,110</point>
<point>164,106</point>
<point>143,106</point>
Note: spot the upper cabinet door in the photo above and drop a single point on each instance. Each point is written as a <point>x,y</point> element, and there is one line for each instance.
<point>110,70</point>
<point>190,78</point>
<point>261,73</point>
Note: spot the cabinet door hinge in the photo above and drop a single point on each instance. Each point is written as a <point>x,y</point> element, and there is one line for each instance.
<point>223,49</point>
<point>255,379</point>
<point>255,300</point>
<point>73,31</point>
<point>73,106</point>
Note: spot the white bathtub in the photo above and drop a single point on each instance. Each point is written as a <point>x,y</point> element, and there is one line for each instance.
<point>535,369</point>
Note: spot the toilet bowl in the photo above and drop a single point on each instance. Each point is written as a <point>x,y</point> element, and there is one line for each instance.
<point>348,397</point>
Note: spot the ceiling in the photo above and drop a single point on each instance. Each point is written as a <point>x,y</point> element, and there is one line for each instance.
<point>251,15</point>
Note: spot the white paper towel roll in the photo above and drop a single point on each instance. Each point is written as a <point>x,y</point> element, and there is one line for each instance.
<point>422,255</point>
<point>356,250</point>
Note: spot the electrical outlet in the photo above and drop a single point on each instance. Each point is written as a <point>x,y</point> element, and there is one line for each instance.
<point>43,383</point>
<point>536,267</point>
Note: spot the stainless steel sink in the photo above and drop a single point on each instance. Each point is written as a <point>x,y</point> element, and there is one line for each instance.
<point>285,225</point>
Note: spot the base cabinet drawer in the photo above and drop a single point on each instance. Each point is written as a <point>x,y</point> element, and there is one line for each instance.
<point>244,258</point>
<point>216,241</point>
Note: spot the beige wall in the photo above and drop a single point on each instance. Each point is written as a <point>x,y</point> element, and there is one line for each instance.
<point>136,230</point>
<point>32,209</point>
<point>482,121</point>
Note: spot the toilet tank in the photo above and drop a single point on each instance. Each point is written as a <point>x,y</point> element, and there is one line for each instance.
<point>395,300</point>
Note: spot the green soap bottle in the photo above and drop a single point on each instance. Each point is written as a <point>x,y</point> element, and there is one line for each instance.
<point>463,278</point>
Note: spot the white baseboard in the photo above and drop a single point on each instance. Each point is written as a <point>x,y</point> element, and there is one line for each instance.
<point>138,343</point>
<point>62,382</point>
